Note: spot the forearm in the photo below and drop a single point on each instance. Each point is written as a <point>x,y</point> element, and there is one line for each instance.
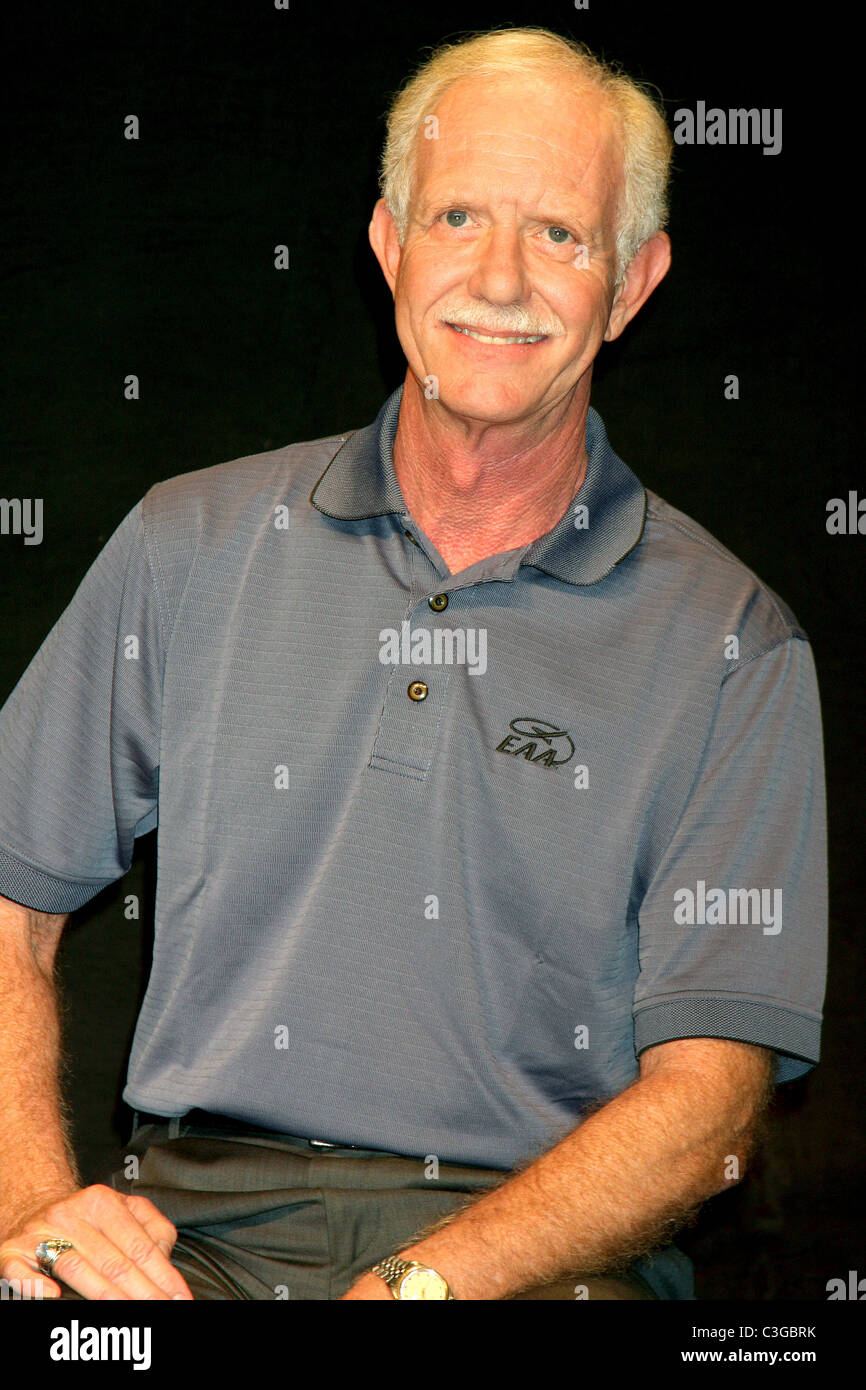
<point>615,1188</point>
<point>36,1159</point>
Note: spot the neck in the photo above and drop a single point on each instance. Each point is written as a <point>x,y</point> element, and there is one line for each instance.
<point>478,490</point>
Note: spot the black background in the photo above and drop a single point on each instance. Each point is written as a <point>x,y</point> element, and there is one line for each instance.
<point>155,257</point>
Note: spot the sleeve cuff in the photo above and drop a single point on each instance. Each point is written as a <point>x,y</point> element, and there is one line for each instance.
<point>796,1037</point>
<point>43,891</point>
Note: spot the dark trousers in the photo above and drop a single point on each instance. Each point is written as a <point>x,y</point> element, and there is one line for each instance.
<point>270,1216</point>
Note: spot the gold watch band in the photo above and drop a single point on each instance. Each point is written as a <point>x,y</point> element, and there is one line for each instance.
<point>394,1267</point>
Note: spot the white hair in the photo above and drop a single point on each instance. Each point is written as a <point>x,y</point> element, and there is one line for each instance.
<point>646,139</point>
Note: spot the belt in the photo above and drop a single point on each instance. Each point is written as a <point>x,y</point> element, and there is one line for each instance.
<point>205,1119</point>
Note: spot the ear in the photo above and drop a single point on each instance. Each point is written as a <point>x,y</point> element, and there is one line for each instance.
<point>385,242</point>
<point>647,268</point>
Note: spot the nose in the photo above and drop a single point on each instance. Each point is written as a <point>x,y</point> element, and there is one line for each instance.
<point>499,271</point>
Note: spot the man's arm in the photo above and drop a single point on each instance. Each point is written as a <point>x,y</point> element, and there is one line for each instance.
<point>116,1254</point>
<point>616,1187</point>
<point>36,1157</point>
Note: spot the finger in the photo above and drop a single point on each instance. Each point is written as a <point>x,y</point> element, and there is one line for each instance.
<point>113,1214</point>
<point>78,1274</point>
<point>15,1266</point>
<point>74,1270</point>
<point>148,1238</point>
<point>155,1222</point>
<point>164,1234</point>
<point>98,1268</point>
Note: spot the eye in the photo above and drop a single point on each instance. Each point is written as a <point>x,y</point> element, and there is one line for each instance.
<point>558,235</point>
<point>455,212</point>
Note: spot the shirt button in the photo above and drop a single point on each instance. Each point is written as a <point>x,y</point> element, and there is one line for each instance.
<point>438,602</point>
<point>411,537</point>
<point>417,691</point>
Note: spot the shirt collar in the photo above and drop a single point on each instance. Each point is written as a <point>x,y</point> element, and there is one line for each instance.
<point>360,482</point>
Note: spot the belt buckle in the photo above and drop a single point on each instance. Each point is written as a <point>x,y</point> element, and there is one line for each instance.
<point>325,1144</point>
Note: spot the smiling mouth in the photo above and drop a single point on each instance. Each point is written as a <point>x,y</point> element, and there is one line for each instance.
<point>500,340</point>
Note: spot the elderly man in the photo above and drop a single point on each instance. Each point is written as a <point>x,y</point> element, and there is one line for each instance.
<point>489,788</point>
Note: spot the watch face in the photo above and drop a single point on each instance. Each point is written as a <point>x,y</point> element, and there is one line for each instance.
<point>422,1283</point>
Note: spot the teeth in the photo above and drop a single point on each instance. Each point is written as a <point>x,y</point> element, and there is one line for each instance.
<point>482,338</point>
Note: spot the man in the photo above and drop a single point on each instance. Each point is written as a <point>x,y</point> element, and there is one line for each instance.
<point>489,788</point>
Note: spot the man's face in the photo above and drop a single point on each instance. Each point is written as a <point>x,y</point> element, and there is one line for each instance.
<point>511,234</point>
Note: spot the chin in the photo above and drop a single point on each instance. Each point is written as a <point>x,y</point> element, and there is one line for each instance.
<point>488,399</point>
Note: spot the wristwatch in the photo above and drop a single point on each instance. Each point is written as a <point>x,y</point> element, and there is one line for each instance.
<point>408,1279</point>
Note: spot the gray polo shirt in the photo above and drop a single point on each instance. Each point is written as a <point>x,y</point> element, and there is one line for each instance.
<point>439,855</point>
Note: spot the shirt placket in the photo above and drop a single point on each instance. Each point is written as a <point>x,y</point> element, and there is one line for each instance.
<point>417,691</point>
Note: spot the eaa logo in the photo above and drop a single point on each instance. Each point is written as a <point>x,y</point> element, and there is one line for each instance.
<point>537,742</point>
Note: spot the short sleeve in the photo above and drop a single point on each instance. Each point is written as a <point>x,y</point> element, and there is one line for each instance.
<point>733,923</point>
<point>79,736</point>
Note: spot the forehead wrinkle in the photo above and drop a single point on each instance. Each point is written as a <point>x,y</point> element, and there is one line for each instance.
<point>579,162</point>
<point>557,103</point>
<point>474,137</point>
<point>477,142</point>
<point>571,183</point>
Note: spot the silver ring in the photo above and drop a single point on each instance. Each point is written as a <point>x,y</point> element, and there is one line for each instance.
<point>48,1251</point>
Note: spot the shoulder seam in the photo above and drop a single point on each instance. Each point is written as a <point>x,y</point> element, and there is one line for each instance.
<point>723,554</point>
<point>795,636</point>
<point>159,587</point>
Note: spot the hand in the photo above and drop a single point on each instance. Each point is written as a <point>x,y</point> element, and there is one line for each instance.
<point>122,1247</point>
<point>368,1287</point>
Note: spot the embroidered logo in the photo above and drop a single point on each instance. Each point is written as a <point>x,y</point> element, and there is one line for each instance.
<point>537,742</point>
